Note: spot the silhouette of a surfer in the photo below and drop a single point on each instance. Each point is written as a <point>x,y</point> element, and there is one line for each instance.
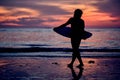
<point>77,30</point>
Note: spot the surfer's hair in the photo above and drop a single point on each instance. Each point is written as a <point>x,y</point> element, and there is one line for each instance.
<point>78,13</point>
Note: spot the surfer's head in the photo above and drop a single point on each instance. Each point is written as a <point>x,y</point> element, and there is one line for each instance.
<point>78,13</point>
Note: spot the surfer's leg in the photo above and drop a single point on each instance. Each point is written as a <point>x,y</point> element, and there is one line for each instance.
<point>80,60</point>
<point>78,56</point>
<point>72,61</point>
<point>78,53</point>
<point>74,56</point>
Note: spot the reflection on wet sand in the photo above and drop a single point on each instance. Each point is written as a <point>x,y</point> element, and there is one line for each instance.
<point>75,75</point>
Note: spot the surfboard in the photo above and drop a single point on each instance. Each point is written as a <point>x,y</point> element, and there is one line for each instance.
<point>66,32</point>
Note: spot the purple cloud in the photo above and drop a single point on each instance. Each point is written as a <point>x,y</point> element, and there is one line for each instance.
<point>44,9</point>
<point>109,6</point>
<point>27,22</point>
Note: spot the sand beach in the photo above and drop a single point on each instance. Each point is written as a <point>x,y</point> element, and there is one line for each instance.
<point>49,68</point>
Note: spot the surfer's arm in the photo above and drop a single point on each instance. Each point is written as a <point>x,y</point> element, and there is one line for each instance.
<point>67,23</point>
<point>83,25</point>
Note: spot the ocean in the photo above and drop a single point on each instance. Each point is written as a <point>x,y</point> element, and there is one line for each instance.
<point>103,38</point>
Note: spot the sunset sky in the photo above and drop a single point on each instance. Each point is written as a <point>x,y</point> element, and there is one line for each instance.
<point>52,13</point>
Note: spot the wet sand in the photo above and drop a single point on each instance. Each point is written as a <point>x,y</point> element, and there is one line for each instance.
<point>44,68</point>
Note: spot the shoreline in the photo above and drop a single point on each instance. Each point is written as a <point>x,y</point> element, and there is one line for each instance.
<point>2,56</point>
<point>58,52</point>
<point>40,49</point>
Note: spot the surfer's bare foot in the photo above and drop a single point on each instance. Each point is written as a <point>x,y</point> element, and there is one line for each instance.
<point>70,65</point>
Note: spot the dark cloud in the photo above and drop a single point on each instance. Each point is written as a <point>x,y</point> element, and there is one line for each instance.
<point>2,14</point>
<point>109,6</point>
<point>32,4</point>
<point>28,22</point>
<point>18,13</point>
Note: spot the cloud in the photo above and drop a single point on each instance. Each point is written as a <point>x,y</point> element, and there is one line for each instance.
<point>28,13</point>
<point>20,13</point>
<point>109,6</point>
<point>27,22</point>
<point>33,4</point>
